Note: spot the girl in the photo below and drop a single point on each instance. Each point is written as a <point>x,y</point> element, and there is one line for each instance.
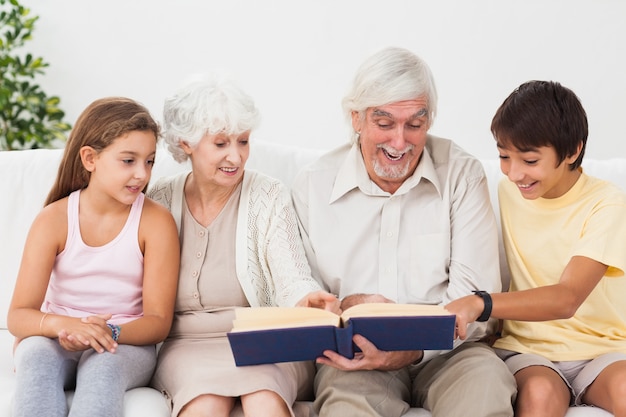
<point>96,286</point>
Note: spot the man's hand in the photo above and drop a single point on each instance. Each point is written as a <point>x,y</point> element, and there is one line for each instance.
<point>370,358</point>
<point>321,299</point>
<point>355,299</point>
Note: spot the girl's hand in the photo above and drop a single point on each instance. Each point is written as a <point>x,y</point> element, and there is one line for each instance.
<point>321,299</point>
<point>88,332</point>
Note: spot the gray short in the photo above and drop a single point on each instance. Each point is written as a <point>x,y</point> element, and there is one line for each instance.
<point>577,375</point>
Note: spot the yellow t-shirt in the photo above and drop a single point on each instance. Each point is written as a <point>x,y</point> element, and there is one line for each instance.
<point>540,237</point>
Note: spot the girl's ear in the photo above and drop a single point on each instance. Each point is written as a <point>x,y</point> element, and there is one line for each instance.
<point>88,158</point>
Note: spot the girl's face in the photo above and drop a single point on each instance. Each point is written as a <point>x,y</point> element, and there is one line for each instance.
<point>536,172</point>
<point>123,168</point>
<point>220,159</point>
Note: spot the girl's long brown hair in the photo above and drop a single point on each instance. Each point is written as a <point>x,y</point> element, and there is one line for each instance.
<point>98,126</point>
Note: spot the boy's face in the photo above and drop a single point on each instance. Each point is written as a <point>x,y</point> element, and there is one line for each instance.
<point>535,171</point>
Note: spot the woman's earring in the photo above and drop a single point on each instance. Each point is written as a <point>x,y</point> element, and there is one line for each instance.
<point>358,136</point>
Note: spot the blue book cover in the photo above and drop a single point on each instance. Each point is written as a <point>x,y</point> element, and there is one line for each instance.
<point>282,334</point>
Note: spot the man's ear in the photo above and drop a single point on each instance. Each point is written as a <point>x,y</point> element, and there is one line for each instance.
<point>88,157</point>
<point>356,121</point>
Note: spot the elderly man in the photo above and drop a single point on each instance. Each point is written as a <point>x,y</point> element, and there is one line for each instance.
<point>399,215</point>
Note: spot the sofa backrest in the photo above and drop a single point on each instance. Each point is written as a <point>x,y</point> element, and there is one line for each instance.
<point>26,178</point>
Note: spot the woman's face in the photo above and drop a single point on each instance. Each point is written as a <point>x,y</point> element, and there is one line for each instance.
<point>221,158</point>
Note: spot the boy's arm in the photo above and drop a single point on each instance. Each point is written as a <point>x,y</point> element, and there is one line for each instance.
<point>552,302</point>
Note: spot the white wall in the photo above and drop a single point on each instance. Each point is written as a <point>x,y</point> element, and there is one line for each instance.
<point>297,58</point>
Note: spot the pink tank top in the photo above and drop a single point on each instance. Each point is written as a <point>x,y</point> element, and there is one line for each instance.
<point>90,280</point>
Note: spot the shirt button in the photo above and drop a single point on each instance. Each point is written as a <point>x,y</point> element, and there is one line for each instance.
<point>194,274</point>
<point>201,233</point>
<point>199,255</point>
<point>196,295</point>
<point>389,234</point>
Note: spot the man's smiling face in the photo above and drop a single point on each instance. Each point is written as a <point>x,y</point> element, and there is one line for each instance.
<point>392,138</point>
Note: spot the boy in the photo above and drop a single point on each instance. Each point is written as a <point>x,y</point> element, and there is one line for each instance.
<point>564,233</point>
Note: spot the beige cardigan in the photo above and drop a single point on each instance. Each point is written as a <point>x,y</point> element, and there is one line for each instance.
<point>271,264</point>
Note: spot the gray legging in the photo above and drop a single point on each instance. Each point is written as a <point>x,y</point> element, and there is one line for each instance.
<point>44,370</point>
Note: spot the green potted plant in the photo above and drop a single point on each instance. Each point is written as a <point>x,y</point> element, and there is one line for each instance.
<point>29,118</point>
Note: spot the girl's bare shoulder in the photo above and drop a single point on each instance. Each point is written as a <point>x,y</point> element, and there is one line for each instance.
<point>156,216</point>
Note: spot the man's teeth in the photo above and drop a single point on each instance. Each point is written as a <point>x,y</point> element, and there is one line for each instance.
<point>391,156</point>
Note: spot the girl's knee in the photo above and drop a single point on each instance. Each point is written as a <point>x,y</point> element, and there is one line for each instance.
<point>37,353</point>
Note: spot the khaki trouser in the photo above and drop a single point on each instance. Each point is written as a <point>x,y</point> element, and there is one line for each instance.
<point>470,380</point>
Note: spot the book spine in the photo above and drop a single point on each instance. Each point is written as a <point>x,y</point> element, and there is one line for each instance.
<point>343,336</point>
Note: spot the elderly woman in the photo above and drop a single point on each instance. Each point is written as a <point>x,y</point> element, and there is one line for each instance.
<point>240,247</point>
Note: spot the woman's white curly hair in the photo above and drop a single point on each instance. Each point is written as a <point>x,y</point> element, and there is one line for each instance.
<point>206,104</point>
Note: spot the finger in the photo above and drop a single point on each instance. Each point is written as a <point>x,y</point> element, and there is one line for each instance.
<point>332,303</point>
<point>327,297</point>
<point>91,335</point>
<point>62,339</point>
<point>461,328</point>
<point>69,342</point>
<point>338,361</point>
<point>319,298</point>
<point>103,340</point>
<point>334,306</point>
<point>365,345</point>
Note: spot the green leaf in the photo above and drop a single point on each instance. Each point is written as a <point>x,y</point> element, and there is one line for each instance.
<point>29,118</point>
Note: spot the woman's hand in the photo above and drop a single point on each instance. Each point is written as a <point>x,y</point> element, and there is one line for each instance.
<point>321,299</point>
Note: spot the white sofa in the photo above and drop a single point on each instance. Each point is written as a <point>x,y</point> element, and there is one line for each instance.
<point>26,176</point>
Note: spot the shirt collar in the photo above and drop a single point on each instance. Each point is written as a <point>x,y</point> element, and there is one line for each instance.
<point>352,174</point>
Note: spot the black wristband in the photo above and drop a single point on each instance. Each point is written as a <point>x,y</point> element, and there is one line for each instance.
<point>484,316</point>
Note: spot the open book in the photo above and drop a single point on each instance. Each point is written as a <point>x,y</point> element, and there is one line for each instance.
<point>285,334</point>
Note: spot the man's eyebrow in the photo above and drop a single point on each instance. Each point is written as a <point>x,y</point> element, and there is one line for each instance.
<point>421,113</point>
<point>381,113</point>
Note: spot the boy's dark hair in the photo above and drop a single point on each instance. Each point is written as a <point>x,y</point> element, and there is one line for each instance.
<point>542,113</point>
